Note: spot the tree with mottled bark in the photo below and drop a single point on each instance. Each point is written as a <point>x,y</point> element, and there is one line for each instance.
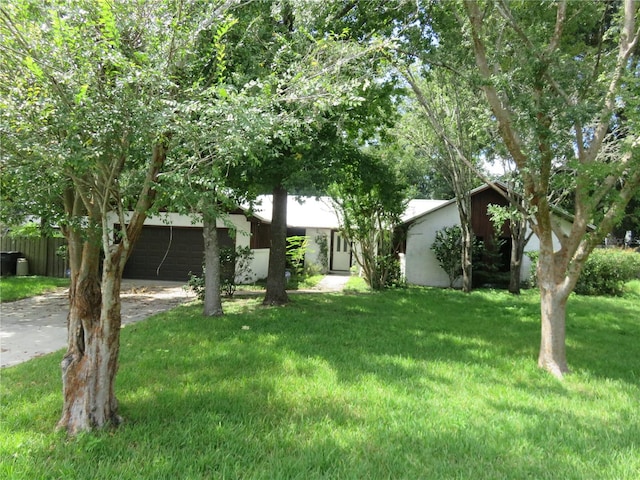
<point>554,79</point>
<point>88,105</point>
<point>370,198</point>
<point>448,132</point>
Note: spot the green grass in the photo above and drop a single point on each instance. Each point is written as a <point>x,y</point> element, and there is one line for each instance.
<point>16,288</point>
<point>416,384</point>
<point>356,285</point>
<point>296,282</point>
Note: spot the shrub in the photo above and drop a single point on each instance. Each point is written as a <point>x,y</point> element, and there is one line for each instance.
<point>605,271</point>
<point>533,269</point>
<point>235,268</point>
<point>296,250</point>
<point>447,248</point>
<point>389,272</point>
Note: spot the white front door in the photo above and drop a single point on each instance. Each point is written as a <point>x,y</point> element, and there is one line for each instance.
<point>340,252</point>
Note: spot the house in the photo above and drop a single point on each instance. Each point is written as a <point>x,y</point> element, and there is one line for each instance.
<point>419,264</point>
<point>171,245</point>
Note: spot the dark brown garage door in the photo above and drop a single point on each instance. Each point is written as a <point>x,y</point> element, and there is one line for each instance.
<point>169,253</point>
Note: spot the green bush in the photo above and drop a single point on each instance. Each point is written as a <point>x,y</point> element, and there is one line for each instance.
<point>296,250</point>
<point>533,269</point>
<point>447,248</point>
<point>235,268</point>
<point>605,272</point>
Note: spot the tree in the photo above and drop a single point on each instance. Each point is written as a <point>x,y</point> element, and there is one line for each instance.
<point>195,179</point>
<point>315,85</point>
<point>88,105</point>
<point>370,199</point>
<point>446,248</point>
<point>519,233</point>
<point>453,143</point>
<point>554,79</point>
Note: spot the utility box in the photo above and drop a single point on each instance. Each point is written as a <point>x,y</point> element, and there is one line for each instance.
<point>22,267</point>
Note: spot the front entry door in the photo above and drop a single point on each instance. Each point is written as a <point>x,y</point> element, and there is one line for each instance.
<point>340,253</point>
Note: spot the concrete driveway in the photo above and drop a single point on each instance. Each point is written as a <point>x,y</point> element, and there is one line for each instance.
<point>38,325</point>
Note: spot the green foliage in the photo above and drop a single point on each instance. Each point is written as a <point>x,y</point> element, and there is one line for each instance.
<point>487,261</point>
<point>533,269</point>
<point>322,241</point>
<point>606,271</point>
<point>235,269</point>
<point>26,230</point>
<point>447,247</point>
<point>390,274</point>
<point>370,199</point>
<point>297,246</point>
<point>329,387</point>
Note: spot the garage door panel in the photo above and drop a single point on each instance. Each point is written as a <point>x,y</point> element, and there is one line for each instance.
<point>169,253</point>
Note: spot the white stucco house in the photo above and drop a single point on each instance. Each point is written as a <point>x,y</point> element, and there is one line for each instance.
<point>419,264</point>
<point>171,245</point>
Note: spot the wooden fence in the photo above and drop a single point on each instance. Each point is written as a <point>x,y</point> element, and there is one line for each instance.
<point>40,253</point>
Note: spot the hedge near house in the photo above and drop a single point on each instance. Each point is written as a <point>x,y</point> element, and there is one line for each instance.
<point>605,272</point>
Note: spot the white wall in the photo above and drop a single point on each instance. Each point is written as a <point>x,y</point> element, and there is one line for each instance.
<point>421,265</point>
<point>260,264</point>
<point>313,250</point>
<point>237,221</point>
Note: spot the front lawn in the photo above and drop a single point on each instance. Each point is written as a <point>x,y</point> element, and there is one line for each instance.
<point>16,288</point>
<point>416,383</point>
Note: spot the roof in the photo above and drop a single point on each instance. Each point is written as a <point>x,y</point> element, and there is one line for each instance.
<point>438,204</point>
<point>416,208</point>
<point>319,212</point>
<point>309,212</point>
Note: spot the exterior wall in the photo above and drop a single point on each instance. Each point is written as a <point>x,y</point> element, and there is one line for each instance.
<point>238,222</point>
<point>533,245</point>
<point>260,264</point>
<point>421,265</point>
<point>312,256</point>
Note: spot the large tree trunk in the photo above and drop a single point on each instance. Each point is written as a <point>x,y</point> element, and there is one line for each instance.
<point>515,267</point>
<point>91,362</point>
<point>212,297</point>
<point>553,357</point>
<point>555,288</point>
<point>276,288</point>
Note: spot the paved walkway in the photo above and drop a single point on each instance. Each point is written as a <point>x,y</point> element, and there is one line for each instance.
<point>334,282</point>
<point>38,325</point>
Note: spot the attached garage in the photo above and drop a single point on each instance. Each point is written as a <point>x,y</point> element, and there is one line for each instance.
<point>170,253</point>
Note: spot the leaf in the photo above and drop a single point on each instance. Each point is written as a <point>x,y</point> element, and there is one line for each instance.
<point>80,96</point>
<point>33,67</point>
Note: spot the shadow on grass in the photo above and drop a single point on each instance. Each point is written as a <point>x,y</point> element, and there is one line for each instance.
<point>410,384</point>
